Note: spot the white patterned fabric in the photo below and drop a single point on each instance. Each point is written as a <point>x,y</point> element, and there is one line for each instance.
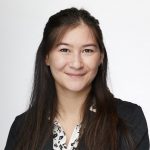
<point>59,136</point>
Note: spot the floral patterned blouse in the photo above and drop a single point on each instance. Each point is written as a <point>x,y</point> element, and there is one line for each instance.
<point>59,136</point>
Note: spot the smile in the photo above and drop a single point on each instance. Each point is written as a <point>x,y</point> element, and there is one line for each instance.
<point>75,74</point>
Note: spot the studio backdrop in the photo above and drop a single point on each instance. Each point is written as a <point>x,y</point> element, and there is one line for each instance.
<point>126,29</point>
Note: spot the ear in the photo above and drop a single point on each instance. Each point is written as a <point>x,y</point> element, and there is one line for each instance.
<point>47,60</point>
<point>101,59</point>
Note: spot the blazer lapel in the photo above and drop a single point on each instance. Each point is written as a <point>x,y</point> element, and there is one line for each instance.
<point>49,144</point>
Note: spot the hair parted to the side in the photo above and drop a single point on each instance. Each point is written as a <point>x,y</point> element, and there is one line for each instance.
<point>103,132</point>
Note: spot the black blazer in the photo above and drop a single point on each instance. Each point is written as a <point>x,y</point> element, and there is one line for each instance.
<point>130,112</point>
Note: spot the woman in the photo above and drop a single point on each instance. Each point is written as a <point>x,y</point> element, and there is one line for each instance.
<point>71,105</point>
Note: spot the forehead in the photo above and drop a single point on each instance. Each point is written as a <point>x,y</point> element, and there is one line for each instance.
<point>76,34</point>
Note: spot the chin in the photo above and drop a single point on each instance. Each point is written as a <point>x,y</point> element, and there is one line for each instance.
<point>77,88</point>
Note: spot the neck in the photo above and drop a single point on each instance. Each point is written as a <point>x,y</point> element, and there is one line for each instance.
<point>71,104</point>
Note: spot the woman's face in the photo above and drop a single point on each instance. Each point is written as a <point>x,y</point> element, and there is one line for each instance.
<point>74,61</point>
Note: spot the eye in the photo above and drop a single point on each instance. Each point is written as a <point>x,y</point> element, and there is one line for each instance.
<point>88,51</point>
<point>65,50</point>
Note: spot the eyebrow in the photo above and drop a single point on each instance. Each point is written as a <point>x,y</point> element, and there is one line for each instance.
<point>85,45</point>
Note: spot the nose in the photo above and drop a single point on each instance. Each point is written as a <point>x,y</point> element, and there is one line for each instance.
<point>76,61</point>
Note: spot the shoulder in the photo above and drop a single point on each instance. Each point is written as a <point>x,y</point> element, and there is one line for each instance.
<point>18,121</point>
<point>127,109</point>
<point>133,115</point>
<point>130,112</point>
<point>14,132</point>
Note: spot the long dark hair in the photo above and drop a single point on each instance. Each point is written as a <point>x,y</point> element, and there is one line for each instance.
<point>105,130</point>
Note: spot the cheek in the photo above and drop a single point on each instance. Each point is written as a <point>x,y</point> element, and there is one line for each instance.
<point>57,63</point>
<point>94,71</point>
<point>93,66</point>
<point>93,63</point>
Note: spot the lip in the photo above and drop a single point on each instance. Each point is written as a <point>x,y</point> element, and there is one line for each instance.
<point>75,74</point>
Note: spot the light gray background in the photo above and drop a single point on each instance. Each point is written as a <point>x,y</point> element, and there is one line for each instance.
<point>126,28</point>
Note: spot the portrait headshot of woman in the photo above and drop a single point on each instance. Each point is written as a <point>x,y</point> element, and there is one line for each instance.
<point>71,106</point>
